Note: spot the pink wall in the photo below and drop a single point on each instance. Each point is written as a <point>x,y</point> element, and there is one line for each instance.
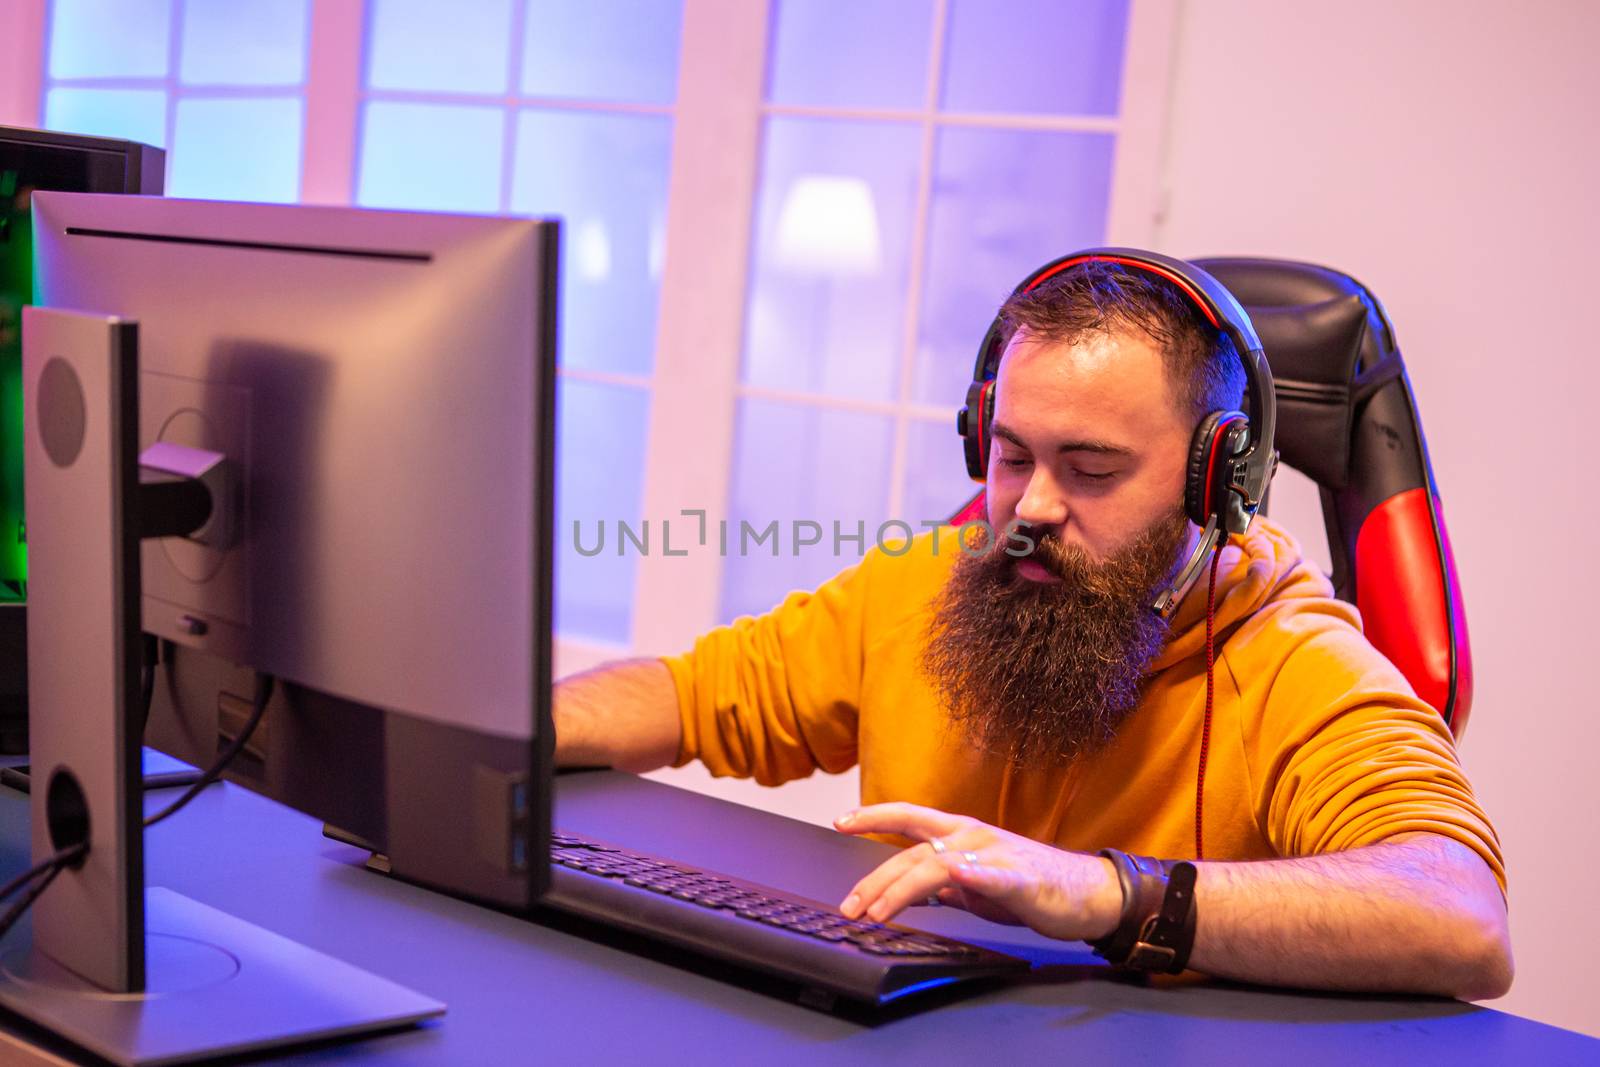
<point>1446,154</point>
<point>21,60</point>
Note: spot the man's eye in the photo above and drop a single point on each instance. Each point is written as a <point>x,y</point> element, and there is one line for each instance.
<point>1096,477</point>
<point>1014,462</point>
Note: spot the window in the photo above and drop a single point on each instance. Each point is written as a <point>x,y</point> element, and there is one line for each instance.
<point>549,107</point>
<point>219,83</point>
<point>559,107</point>
<point>919,158</point>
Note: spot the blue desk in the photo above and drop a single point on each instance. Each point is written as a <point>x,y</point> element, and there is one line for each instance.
<point>522,991</point>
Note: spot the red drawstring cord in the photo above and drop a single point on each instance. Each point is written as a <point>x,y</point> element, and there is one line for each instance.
<point>1205,729</point>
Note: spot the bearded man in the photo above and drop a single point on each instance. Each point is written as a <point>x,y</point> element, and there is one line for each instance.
<point>1016,712</point>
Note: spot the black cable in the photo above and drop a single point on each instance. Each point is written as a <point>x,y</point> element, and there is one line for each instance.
<point>151,657</point>
<point>264,683</point>
<point>74,854</point>
<point>64,858</point>
<point>9,919</point>
<point>67,857</point>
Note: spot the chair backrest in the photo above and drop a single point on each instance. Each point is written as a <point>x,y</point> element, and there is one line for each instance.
<point>1348,420</point>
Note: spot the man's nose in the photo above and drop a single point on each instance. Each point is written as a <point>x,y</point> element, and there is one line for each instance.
<point>1043,503</point>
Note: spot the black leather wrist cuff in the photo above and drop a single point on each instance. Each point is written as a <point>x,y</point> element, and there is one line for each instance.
<point>1157,927</point>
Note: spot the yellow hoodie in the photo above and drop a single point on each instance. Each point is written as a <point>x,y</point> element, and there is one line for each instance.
<point>1318,743</point>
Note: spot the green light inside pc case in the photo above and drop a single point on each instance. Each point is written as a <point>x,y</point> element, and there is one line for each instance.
<point>16,289</point>
<point>29,160</point>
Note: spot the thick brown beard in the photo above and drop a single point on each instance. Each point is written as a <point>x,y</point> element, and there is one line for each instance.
<point>1039,672</point>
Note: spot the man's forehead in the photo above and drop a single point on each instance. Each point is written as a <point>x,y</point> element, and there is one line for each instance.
<point>1123,367</point>
<point>1089,350</point>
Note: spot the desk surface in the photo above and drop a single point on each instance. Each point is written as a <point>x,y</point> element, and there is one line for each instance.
<point>520,990</point>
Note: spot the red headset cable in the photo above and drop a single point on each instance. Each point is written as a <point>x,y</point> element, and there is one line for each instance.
<point>1205,729</point>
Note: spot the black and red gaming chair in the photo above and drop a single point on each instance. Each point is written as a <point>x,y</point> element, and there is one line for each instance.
<point>1347,419</point>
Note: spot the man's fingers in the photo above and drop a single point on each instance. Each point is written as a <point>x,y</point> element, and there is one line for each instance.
<point>978,887</point>
<point>866,891</point>
<point>918,883</point>
<point>908,820</point>
<point>935,874</point>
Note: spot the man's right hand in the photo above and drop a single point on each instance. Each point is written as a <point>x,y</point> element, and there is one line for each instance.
<point>622,715</point>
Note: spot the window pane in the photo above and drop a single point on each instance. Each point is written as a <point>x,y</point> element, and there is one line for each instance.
<point>851,53</point>
<point>1035,56</point>
<point>1004,203</point>
<point>599,478</point>
<point>431,156</point>
<point>421,44</point>
<point>109,38</point>
<point>244,42</point>
<point>801,462</point>
<point>937,485</point>
<point>606,176</point>
<point>132,114</point>
<point>603,49</point>
<point>832,254</point>
<point>232,149</point>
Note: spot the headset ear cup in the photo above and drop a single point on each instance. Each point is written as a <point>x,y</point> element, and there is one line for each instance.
<point>976,417</point>
<point>984,437</point>
<point>1194,485</point>
<point>1229,502</point>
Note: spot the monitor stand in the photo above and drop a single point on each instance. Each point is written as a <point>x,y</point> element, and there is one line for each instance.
<point>135,976</point>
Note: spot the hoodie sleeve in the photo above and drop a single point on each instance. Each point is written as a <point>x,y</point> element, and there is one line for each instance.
<point>776,696</point>
<point>1345,754</point>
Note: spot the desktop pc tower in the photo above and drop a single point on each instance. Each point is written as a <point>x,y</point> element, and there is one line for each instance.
<point>31,161</point>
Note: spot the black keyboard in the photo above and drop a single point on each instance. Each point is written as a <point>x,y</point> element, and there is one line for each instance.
<point>755,926</point>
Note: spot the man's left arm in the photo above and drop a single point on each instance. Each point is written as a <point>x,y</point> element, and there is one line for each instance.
<point>1419,913</point>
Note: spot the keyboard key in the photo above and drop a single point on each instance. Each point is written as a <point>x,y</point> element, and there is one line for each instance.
<point>870,937</point>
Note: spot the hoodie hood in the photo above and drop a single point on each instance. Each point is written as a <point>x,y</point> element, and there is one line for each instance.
<point>1266,564</point>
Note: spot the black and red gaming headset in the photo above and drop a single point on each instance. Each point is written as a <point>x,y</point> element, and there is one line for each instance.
<point>1231,459</point>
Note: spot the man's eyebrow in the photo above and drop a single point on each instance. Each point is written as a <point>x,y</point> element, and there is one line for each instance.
<point>1104,448</point>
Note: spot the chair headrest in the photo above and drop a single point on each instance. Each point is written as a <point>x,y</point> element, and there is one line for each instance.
<point>1328,343</point>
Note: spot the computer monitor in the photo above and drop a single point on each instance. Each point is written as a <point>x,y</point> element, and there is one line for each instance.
<point>381,385</point>
<point>33,160</point>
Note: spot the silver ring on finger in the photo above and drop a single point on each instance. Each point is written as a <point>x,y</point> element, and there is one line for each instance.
<point>938,846</point>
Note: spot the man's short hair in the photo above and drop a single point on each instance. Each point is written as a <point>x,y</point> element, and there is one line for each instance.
<point>1201,362</point>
